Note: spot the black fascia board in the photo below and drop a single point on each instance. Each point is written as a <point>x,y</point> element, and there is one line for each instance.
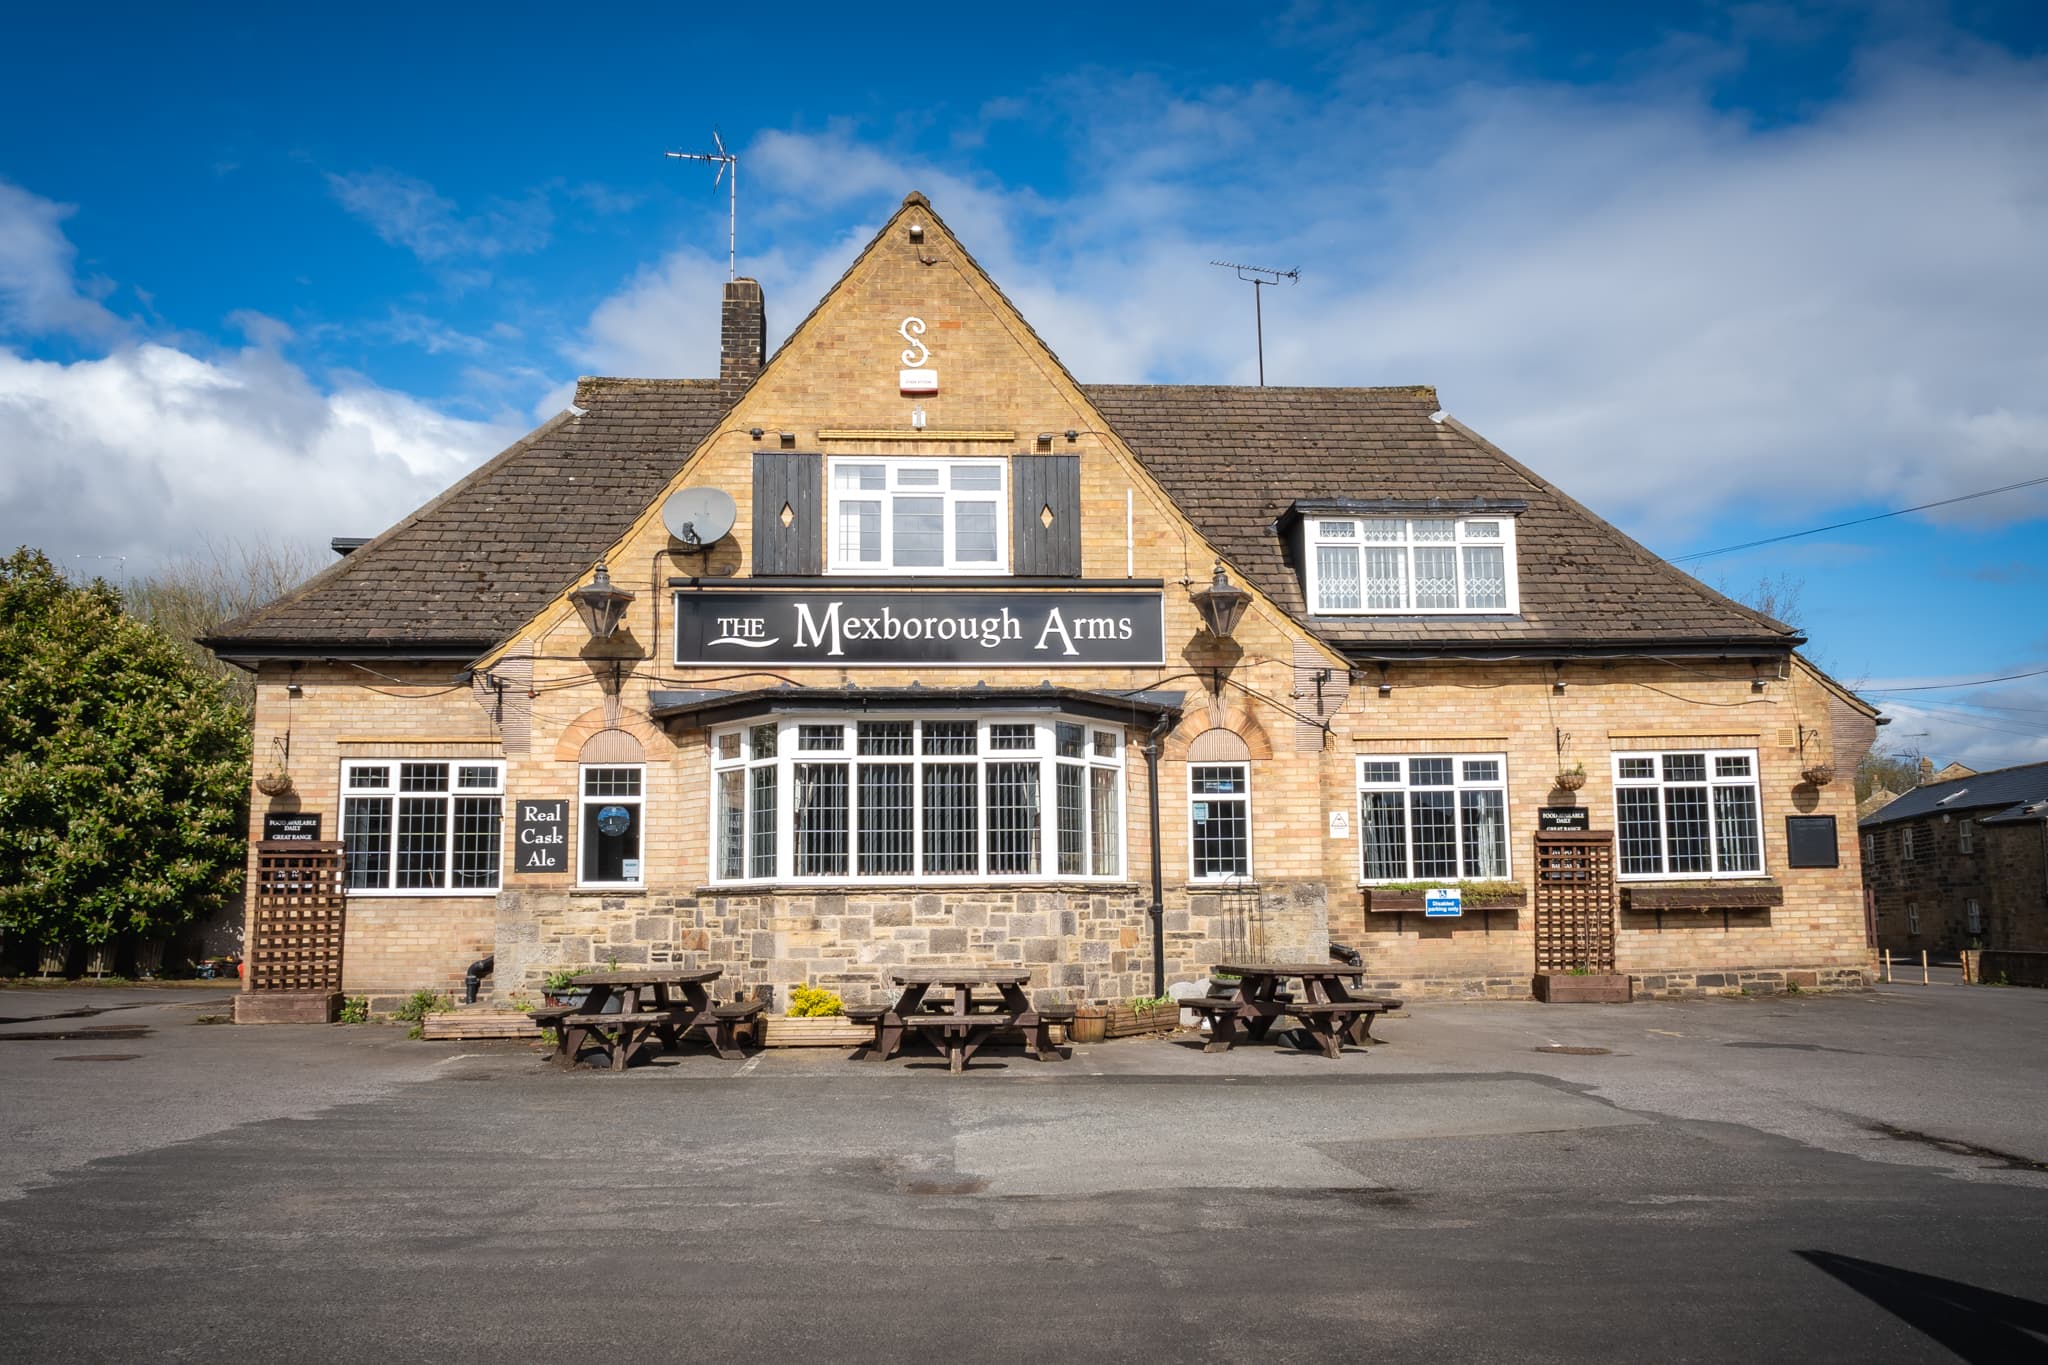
<point>910,583</point>
<point>1474,506</point>
<point>703,710</point>
<point>308,651</point>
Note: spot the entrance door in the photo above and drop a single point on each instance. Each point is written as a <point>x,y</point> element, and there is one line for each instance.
<point>1573,901</point>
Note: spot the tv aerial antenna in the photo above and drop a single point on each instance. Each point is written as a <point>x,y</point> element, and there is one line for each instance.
<point>1258,277</point>
<point>727,161</point>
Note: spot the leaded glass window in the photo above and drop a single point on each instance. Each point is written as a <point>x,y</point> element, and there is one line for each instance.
<point>423,826</point>
<point>1688,813</point>
<point>1410,564</point>
<point>1432,817</point>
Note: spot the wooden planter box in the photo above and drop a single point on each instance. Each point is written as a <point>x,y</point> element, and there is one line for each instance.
<point>823,1030</point>
<point>1127,1022</point>
<point>1378,902</point>
<point>1562,988</point>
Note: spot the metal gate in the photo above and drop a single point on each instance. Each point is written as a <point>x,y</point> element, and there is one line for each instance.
<point>296,918</point>
<point>1574,901</point>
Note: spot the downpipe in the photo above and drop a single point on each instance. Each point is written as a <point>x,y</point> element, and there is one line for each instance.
<point>1152,739</point>
<point>478,970</point>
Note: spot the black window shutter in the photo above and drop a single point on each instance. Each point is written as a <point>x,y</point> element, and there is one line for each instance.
<point>795,483</point>
<point>1045,515</point>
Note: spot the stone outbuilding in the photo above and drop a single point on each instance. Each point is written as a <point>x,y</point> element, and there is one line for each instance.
<point>1960,862</point>
<point>906,645</point>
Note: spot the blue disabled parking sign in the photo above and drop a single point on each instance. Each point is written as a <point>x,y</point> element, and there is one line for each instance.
<point>1443,902</point>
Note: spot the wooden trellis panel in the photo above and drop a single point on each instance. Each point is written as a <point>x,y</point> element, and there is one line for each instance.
<point>296,915</point>
<point>1573,899</point>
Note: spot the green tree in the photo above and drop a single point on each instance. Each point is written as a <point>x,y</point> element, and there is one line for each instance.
<point>123,767</point>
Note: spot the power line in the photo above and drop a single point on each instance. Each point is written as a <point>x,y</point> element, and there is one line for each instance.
<point>1859,521</point>
<point>1947,687</point>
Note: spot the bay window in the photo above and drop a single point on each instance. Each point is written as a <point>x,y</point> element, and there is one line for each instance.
<point>918,516</point>
<point>900,799</point>
<point>1688,814</point>
<point>422,826</point>
<point>1438,817</point>
<point>1415,565</point>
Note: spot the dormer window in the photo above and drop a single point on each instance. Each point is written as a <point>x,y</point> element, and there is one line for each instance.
<point>1361,566</point>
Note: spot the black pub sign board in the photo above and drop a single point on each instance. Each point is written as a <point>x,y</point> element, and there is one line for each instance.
<point>933,629</point>
<point>543,834</point>
<point>1563,819</point>
<point>1810,841</point>
<point>291,827</point>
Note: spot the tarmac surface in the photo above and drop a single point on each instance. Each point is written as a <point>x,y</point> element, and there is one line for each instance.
<point>1806,1177</point>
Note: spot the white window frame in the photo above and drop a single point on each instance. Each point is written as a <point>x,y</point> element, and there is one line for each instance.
<point>389,791</point>
<point>1243,798</point>
<point>1753,782</point>
<point>1912,920</point>
<point>1044,752</point>
<point>1906,853</point>
<point>1369,779</point>
<point>1973,918</point>
<point>894,466</point>
<point>1966,836</point>
<point>1327,532</point>
<point>584,801</point>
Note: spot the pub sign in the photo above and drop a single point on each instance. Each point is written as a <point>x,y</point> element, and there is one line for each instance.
<point>291,827</point>
<point>930,629</point>
<point>543,835</point>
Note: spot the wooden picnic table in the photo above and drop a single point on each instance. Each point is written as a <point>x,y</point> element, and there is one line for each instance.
<point>1328,1012</point>
<point>956,1023</point>
<point>659,1005</point>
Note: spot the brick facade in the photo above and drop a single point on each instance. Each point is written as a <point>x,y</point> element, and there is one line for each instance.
<point>1304,710</point>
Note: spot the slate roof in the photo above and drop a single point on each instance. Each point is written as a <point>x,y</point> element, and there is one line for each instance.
<point>477,562</point>
<point>1236,458</point>
<point>2007,790</point>
<point>473,565</point>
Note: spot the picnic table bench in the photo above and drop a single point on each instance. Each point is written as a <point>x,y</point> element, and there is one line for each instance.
<point>660,1006</point>
<point>1328,1013</point>
<point>956,1022</point>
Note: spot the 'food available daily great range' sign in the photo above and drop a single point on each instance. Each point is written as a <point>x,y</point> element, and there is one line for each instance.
<point>936,629</point>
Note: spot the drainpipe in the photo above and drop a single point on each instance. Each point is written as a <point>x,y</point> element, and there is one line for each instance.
<point>1158,870</point>
<point>478,970</point>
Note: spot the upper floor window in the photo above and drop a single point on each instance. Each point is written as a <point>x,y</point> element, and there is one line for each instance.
<point>1690,814</point>
<point>411,826</point>
<point>1366,565</point>
<point>917,516</point>
<point>1966,837</point>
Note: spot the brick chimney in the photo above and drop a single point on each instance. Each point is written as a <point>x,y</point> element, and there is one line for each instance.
<point>742,338</point>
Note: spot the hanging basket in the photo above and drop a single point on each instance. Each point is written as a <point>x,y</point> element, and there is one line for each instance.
<point>1820,774</point>
<point>275,784</point>
<point>1571,782</point>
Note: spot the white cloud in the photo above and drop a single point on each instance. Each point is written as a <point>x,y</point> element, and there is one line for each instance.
<point>408,212</point>
<point>151,450</point>
<point>1671,310</point>
<point>39,294</point>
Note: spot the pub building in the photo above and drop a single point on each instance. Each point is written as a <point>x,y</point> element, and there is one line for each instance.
<point>906,646</point>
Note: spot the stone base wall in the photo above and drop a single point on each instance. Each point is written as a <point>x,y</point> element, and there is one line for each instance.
<point>1080,943</point>
<point>1692,983</point>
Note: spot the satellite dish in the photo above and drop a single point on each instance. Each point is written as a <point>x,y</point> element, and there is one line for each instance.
<point>699,517</point>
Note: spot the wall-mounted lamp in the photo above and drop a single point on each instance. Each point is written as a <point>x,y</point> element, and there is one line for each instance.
<point>1045,439</point>
<point>1757,685</point>
<point>788,439</point>
<point>294,690</point>
<point>601,605</point>
<point>917,232</point>
<point>1386,686</point>
<point>1072,435</point>
<point>754,432</point>
<point>1557,679</point>
<point>1222,604</point>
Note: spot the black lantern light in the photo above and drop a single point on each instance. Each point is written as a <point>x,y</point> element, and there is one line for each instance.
<point>601,605</point>
<point>1222,603</point>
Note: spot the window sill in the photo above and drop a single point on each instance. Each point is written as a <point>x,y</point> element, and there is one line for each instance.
<point>466,893</point>
<point>1750,894</point>
<point>1383,902</point>
<point>927,887</point>
<point>600,889</point>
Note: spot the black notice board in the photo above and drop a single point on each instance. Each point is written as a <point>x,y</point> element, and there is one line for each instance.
<point>291,827</point>
<point>1810,841</point>
<point>543,831</point>
<point>1563,819</point>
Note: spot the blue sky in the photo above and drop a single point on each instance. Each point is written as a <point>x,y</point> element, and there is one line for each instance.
<point>1723,271</point>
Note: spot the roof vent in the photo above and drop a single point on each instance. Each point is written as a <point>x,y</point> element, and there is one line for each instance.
<point>1959,791</point>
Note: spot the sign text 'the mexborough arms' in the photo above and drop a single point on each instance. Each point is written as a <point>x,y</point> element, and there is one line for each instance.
<point>940,629</point>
